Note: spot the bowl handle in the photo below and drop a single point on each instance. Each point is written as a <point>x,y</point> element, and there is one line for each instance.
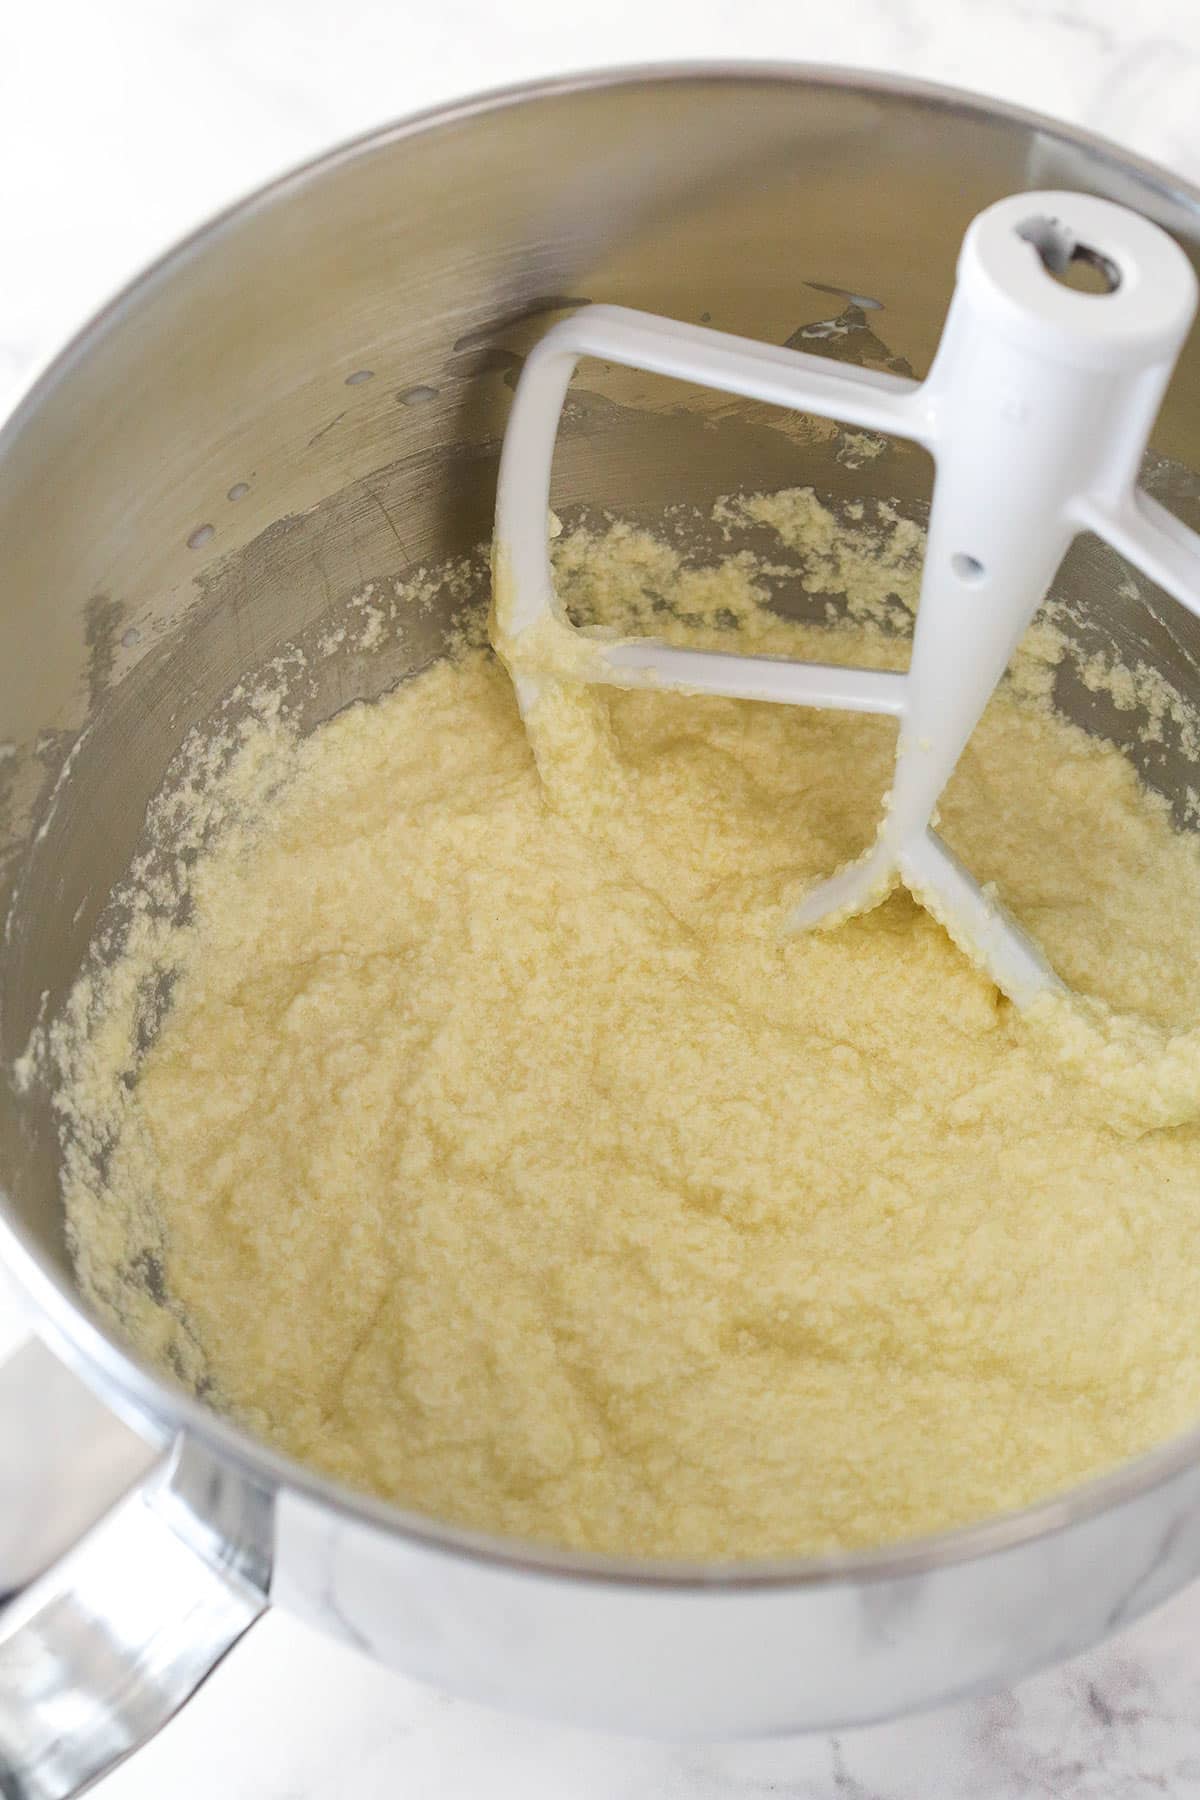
<point>110,1617</point>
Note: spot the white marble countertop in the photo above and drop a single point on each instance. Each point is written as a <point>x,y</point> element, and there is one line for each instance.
<point>123,124</point>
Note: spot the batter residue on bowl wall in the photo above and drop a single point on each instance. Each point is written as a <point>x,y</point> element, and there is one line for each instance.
<point>499,1154</point>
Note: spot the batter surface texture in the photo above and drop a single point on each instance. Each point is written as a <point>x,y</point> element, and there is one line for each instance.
<point>500,1154</point>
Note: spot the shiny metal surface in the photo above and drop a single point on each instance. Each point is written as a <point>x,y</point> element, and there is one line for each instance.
<point>309,395</point>
<point>103,1645</point>
<point>67,1459</point>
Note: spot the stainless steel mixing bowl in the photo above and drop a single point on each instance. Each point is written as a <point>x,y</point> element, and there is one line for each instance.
<point>308,394</point>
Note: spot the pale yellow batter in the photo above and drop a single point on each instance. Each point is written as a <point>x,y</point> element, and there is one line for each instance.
<point>505,1158</point>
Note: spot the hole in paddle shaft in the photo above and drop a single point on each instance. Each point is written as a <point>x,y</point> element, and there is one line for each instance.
<point>967,568</point>
<point>1074,265</point>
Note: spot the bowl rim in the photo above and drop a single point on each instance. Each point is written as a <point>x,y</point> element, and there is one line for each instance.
<point>137,1392</point>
